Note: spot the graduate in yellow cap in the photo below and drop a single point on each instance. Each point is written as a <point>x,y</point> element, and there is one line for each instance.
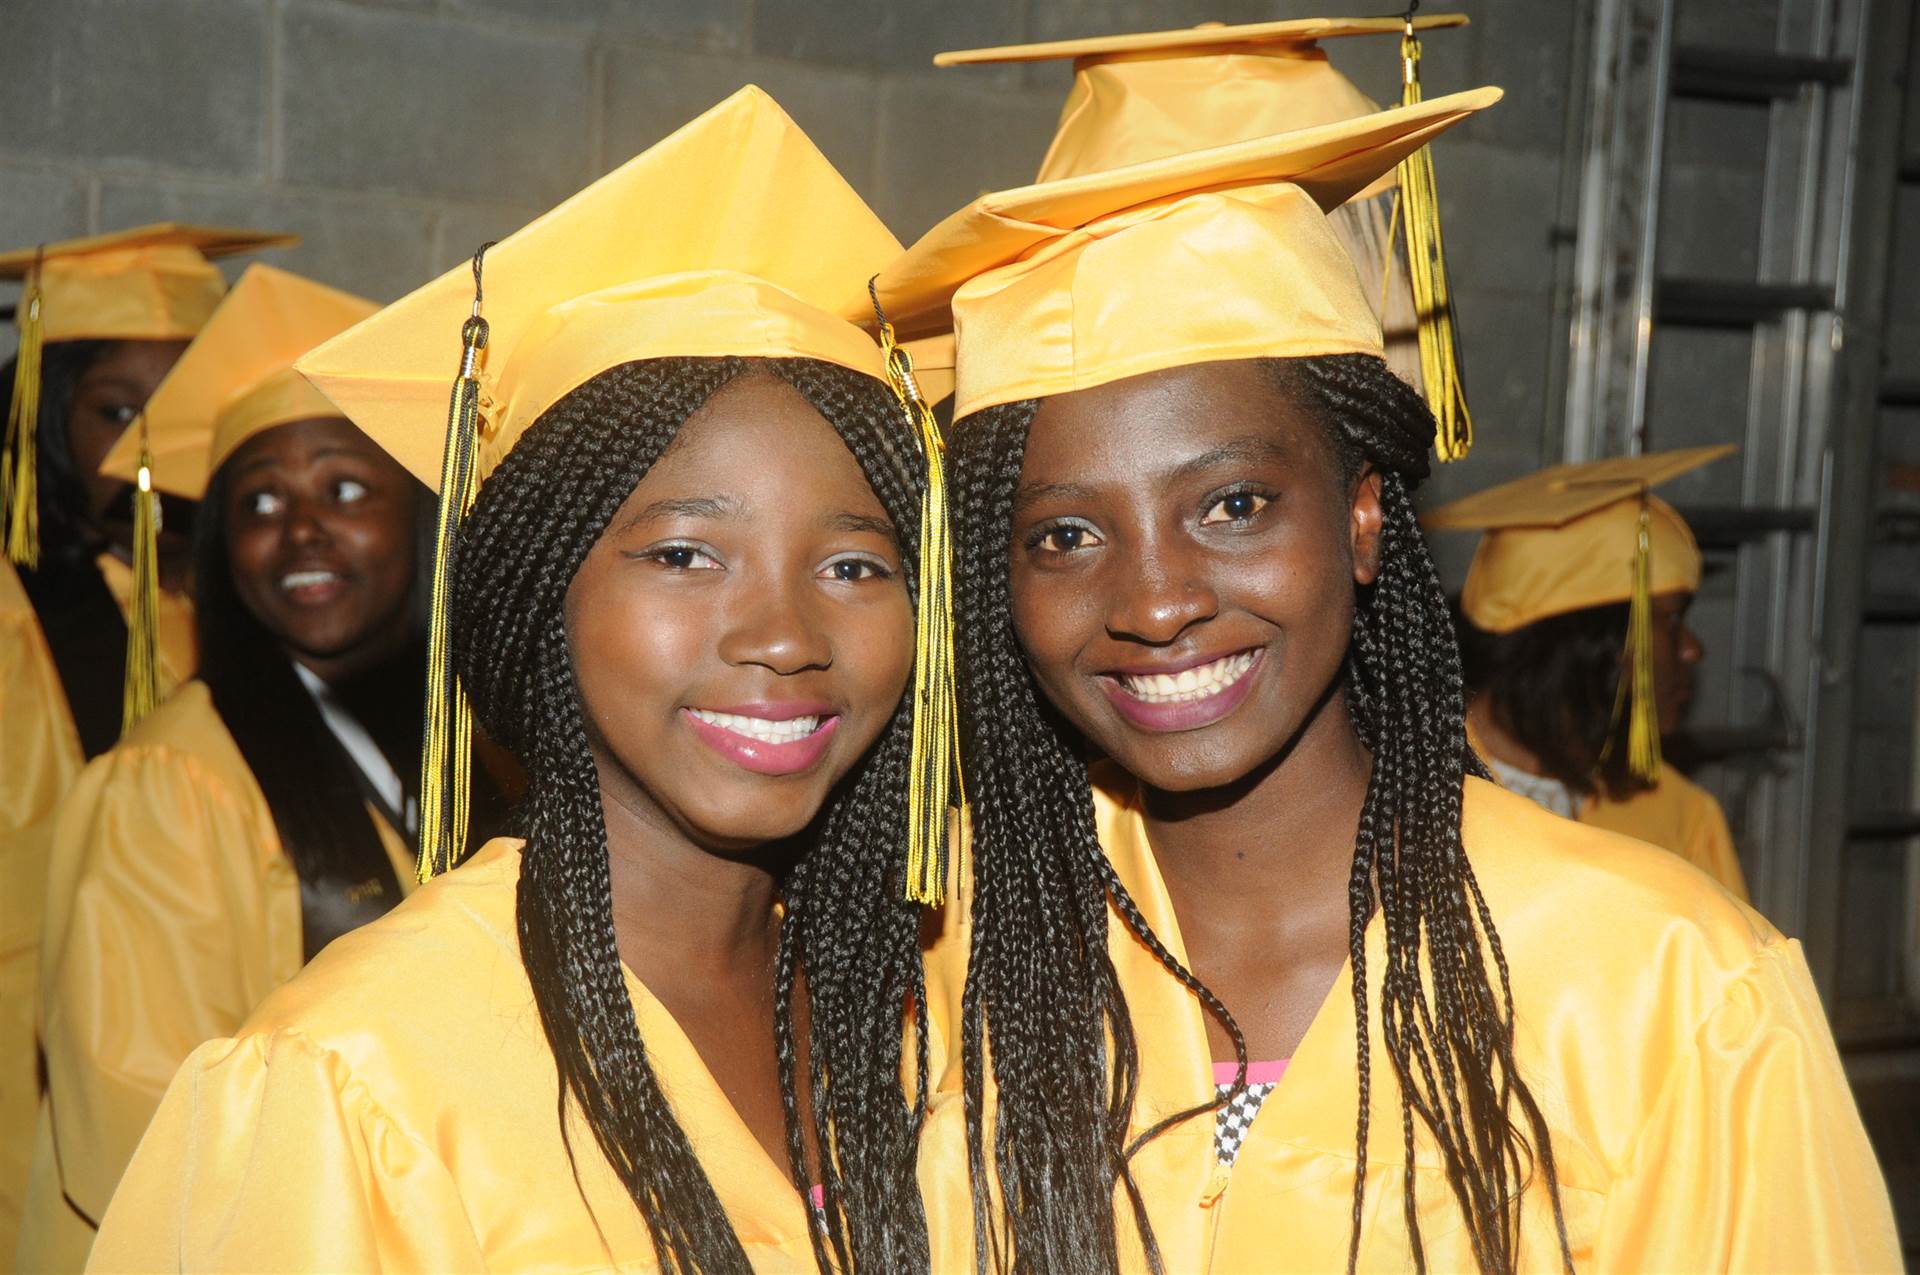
<point>100,320</point>
<point>1147,95</point>
<point>1276,984</point>
<point>270,805</point>
<point>684,597</point>
<point>1577,652</point>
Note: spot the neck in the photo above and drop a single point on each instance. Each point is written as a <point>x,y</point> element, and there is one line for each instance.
<point>679,906</point>
<point>1279,839</point>
<point>1495,740</point>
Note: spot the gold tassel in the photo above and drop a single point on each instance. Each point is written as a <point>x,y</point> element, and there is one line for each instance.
<point>446,741</point>
<point>1635,696</point>
<point>1418,205</point>
<point>142,688</point>
<point>934,762</point>
<point>19,468</point>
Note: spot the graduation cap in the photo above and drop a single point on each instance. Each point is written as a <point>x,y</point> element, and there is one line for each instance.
<point>1146,96</point>
<point>731,236</point>
<point>1223,253</point>
<point>153,283</point>
<point>1584,535</point>
<point>235,380</point>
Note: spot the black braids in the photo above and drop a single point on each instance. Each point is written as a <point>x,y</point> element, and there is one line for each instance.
<point>1447,1031</point>
<point>848,931</point>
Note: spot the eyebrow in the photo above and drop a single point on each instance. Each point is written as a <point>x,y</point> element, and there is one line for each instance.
<point>126,385</point>
<point>1249,449</point>
<point>1033,493</point>
<point>859,523</point>
<point>713,507</point>
<point>318,453</point>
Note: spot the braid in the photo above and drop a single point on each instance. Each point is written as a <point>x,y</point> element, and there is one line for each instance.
<point>1040,982</point>
<point>847,926</point>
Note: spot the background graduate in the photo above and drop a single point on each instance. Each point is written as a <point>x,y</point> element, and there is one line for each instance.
<point>1577,653</point>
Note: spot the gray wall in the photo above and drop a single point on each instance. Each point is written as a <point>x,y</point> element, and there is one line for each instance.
<point>395,135</point>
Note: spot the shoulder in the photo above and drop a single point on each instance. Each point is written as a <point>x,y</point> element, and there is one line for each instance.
<point>421,988</point>
<point>185,740</point>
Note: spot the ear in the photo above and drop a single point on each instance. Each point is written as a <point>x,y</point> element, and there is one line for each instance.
<point>1364,521</point>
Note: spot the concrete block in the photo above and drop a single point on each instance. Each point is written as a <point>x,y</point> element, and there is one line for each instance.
<point>715,26</point>
<point>462,228</point>
<point>378,100</point>
<point>1697,392</point>
<point>1497,207</point>
<point>648,95</point>
<point>1505,343</point>
<point>167,83</point>
<point>1526,49</point>
<point>367,244</point>
<point>1710,222</point>
<point>944,141</point>
<point>1704,134</point>
<point>38,204</point>
<point>898,35</point>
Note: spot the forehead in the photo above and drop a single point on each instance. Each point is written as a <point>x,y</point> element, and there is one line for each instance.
<point>299,441</point>
<point>1143,426</point>
<point>759,436</point>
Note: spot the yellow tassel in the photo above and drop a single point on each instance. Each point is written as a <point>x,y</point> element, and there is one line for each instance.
<point>142,688</point>
<point>934,763</point>
<point>19,468</point>
<point>1417,203</point>
<point>1635,697</point>
<point>446,743</point>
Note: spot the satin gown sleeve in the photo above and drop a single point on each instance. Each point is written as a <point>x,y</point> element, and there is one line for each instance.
<point>1756,1132</point>
<point>266,1154</point>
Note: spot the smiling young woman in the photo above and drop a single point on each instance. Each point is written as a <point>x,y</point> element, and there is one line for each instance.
<point>266,808</point>
<point>102,320</point>
<point>684,597</point>
<point>1280,981</point>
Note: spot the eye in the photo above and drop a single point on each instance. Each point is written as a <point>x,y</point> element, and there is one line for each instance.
<point>1235,506</point>
<point>349,490</point>
<point>261,504</point>
<point>1063,537</point>
<point>853,568</point>
<point>683,558</point>
<point>120,413</point>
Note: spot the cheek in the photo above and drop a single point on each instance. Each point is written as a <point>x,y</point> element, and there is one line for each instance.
<point>625,641</point>
<point>250,554</point>
<point>878,645</point>
<point>91,437</point>
<point>1054,615</point>
<point>379,546</point>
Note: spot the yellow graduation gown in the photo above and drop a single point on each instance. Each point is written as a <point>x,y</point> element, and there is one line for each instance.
<point>394,1108</point>
<point>172,911</point>
<point>39,759</point>
<point>1699,1116</point>
<point>1679,815</point>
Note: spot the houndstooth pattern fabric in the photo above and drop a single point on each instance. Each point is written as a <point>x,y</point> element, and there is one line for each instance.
<point>1232,1119</point>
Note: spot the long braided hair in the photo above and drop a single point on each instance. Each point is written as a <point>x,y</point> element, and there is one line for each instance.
<point>1041,988</point>
<point>847,930</point>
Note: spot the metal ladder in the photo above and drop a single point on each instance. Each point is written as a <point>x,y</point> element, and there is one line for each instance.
<point>1808,609</point>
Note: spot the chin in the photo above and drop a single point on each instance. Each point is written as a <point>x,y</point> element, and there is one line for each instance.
<point>1189,763</point>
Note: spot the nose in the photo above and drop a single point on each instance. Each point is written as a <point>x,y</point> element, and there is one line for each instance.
<point>304,526</point>
<point>1691,650</point>
<point>776,628</point>
<point>1159,601</point>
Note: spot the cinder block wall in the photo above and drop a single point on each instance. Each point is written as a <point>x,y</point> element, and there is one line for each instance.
<point>396,135</point>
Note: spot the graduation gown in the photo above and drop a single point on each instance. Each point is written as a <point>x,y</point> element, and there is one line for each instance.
<point>394,1108</point>
<point>1699,1116</point>
<point>172,910</point>
<point>1679,815</point>
<point>40,757</point>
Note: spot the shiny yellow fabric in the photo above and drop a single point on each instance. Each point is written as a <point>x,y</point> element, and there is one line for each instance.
<point>1679,815</point>
<point>394,1108</point>
<point>1220,254</point>
<point>237,379</point>
<point>148,283</point>
<point>172,911</point>
<point>1699,1115</point>
<point>39,760</point>
<point>674,253</point>
<point>1520,575</point>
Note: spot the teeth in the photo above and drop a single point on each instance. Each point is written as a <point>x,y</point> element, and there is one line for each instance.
<point>301,579</point>
<point>760,728</point>
<point>1189,684</point>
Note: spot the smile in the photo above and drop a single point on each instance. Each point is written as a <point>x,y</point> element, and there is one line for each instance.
<point>306,579</point>
<point>1185,700</point>
<point>315,587</point>
<point>765,745</point>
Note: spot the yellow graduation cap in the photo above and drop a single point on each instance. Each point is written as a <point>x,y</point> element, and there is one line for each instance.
<point>153,283</point>
<point>1149,95</point>
<point>1218,254</point>
<point>1146,96</point>
<point>1584,535</point>
<point>732,236</point>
